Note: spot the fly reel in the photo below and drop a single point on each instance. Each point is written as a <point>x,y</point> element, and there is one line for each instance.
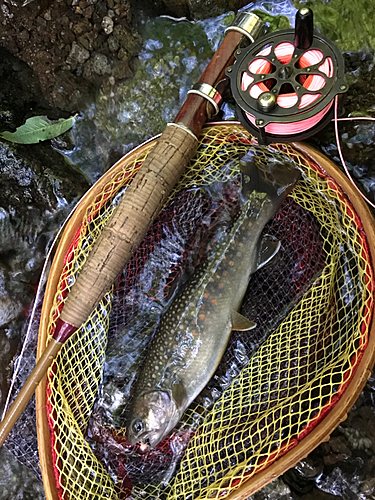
<point>284,85</point>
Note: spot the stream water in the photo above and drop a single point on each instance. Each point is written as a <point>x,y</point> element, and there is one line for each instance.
<point>173,56</point>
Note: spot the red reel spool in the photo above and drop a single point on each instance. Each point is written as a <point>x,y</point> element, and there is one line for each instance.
<point>285,84</point>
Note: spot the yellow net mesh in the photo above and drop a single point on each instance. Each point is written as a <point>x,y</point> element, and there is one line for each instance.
<point>286,387</point>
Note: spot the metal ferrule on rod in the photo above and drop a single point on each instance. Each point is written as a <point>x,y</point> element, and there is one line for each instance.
<point>208,92</point>
<point>248,24</point>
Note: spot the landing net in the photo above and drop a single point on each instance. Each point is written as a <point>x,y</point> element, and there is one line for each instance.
<point>312,304</point>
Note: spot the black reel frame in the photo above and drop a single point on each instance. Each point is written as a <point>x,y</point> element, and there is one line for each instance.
<point>281,75</point>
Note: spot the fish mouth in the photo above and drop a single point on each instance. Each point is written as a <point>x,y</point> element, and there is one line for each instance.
<point>146,441</point>
<point>144,445</point>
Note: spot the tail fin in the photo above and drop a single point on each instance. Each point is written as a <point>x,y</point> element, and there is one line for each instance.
<point>275,178</point>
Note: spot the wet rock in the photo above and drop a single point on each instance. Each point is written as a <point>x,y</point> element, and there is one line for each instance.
<point>277,490</point>
<point>343,483</point>
<point>127,40</point>
<point>338,445</point>
<point>368,487</point>
<point>122,10</point>
<point>311,467</point>
<point>192,9</point>
<point>36,175</point>
<point>60,37</point>
<point>121,70</point>
<point>20,92</point>
<point>30,488</point>
<point>70,91</point>
<point>77,55</point>
<point>7,350</point>
<point>36,183</point>
<point>88,12</point>
<point>357,438</point>
<point>96,66</point>
<point>113,44</point>
<point>301,478</point>
<point>82,27</point>
<point>9,309</point>
<point>122,55</point>
<point>38,187</point>
<point>100,64</point>
<point>107,25</point>
<point>47,15</point>
<point>358,63</point>
<point>316,495</point>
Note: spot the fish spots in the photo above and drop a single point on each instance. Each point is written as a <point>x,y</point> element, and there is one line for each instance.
<point>221,285</point>
<point>206,295</point>
<point>225,273</point>
<point>231,263</point>
<point>202,316</point>
<point>195,333</point>
<point>214,301</point>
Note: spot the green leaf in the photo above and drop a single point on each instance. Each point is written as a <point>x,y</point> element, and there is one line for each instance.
<point>38,128</point>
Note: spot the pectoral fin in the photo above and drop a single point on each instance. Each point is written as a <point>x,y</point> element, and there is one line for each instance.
<point>268,248</point>
<point>241,323</point>
<point>179,394</point>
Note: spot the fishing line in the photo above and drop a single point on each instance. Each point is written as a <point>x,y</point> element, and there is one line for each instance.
<point>284,85</point>
<point>288,85</point>
<point>38,298</point>
<point>336,120</point>
<point>284,52</point>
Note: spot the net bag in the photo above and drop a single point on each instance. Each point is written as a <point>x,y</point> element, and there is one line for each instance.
<point>279,390</point>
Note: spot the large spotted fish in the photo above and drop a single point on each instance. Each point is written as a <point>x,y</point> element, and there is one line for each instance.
<point>195,330</point>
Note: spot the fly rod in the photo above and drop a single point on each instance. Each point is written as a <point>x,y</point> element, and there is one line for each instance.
<point>140,205</point>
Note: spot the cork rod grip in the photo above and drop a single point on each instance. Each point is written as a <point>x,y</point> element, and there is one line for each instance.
<point>28,389</point>
<point>140,205</point>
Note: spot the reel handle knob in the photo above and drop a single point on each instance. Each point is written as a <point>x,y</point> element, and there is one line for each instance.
<point>304,29</point>
<point>266,102</point>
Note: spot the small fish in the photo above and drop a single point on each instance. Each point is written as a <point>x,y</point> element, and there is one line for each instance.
<point>194,332</point>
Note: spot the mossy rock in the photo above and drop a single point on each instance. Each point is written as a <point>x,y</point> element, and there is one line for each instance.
<point>350,24</point>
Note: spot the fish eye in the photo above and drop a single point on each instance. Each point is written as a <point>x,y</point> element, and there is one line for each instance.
<point>137,426</point>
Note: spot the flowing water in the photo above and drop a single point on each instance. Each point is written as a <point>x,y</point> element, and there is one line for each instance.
<point>173,56</point>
